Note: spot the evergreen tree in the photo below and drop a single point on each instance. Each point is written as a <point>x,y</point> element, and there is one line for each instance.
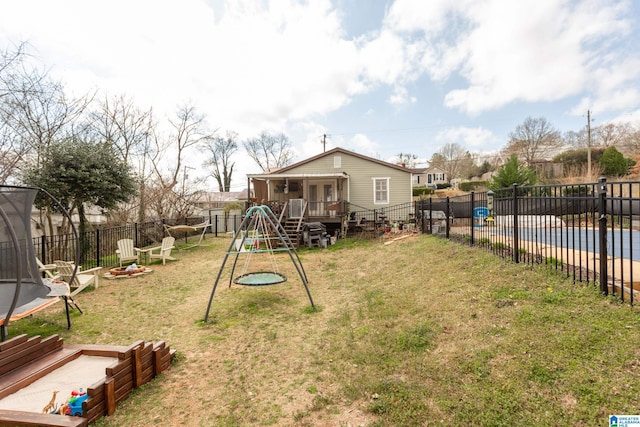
<point>613,163</point>
<point>513,172</point>
<point>80,173</point>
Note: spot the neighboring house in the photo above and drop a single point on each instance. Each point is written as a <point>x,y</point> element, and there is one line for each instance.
<point>214,200</point>
<point>325,187</point>
<point>434,176</point>
<point>419,177</point>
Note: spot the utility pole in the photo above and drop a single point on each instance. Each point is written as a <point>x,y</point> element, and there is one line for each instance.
<point>588,144</point>
<point>324,142</point>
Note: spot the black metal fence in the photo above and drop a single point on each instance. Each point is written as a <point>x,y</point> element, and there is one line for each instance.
<point>591,232</point>
<point>99,245</point>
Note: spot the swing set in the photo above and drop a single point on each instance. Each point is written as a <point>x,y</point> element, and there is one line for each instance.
<point>260,233</point>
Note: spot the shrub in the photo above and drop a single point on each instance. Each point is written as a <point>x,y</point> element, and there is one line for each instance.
<point>472,185</point>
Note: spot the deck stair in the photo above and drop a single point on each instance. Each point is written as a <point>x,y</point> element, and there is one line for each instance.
<point>293,228</point>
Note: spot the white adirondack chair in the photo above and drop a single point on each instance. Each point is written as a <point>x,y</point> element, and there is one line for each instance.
<point>126,252</point>
<point>82,279</point>
<point>163,251</point>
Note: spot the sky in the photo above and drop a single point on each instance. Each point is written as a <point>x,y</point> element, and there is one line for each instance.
<point>378,77</point>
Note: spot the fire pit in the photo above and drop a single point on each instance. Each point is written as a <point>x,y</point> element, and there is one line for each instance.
<point>122,271</point>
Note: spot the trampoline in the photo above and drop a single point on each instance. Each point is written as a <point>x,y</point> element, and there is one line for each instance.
<point>260,278</point>
<point>22,290</point>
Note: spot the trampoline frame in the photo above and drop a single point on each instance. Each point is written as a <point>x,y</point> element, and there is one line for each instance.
<point>20,257</point>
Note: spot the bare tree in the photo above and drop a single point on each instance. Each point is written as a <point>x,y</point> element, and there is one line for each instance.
<point>575,139</point>
<point>38,112</point>
<point>453,159</point>
<point>128,129</point>
<point>408,160</point>
<point>13,149</point>
<point>611,134</point>
<point>219,151</point>
<point>188,130</point>
<point>11,67</point>
<point>270,151</point>
<point>11,154</point>
<point>633,142</point>
<point>35,113</point>
<point>534,139</point>
<point>171,193</point>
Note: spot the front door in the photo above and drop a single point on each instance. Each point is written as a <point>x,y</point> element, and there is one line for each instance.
<point>321,194</point>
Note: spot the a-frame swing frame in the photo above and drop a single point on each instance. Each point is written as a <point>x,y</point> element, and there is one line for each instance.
<point>261,215</point>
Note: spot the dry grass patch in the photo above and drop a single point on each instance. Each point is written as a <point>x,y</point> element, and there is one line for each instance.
<point>418,332</point>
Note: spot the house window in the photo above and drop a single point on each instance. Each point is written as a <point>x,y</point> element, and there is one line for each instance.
<point>337,162</point>
<point>435,177</point>
<point>380,191</point>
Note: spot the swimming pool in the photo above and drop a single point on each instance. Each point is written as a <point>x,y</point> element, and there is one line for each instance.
<point>621,243</point>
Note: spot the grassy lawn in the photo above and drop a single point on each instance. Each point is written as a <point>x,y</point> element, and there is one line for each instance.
<point>418,332</point>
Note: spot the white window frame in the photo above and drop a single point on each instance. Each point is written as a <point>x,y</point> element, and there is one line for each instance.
<point>375,191</point>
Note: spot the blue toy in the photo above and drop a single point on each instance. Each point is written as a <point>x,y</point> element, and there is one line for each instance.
<point>75,402</point>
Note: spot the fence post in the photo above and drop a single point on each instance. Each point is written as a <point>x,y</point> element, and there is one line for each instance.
<point>446,213</point>
<point>135,235</point>
<point>43,249</point>
<point>473,205</point>
<point>516,232</point>
<point>602,234</point>
<point>97,247</point>
<point>430,215</point>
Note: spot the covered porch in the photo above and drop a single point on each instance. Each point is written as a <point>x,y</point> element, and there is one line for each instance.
<point>312,197</point>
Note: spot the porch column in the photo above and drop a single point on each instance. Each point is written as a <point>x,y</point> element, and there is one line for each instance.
<point>305,198</point>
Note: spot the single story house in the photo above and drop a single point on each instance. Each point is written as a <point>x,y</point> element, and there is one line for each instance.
<point>431,177</point>
<point>326,187</point>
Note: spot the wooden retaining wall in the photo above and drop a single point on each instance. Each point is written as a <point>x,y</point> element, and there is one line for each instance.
<point>23,360</point>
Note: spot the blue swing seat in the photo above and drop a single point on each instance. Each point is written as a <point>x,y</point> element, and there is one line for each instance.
<point>260,278</point>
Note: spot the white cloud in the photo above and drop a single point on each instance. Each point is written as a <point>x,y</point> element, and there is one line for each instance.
<point>534,50</point>
<point>361,143</point>
<point>468,137</point>
<point>307,137</point>
<point>384,59</point>
<point>630,117</point>
<point>257,66</point>
<point>285,65</point>
<point>400,97</point>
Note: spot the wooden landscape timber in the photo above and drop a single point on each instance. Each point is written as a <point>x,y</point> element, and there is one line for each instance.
<point>25,360</point>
